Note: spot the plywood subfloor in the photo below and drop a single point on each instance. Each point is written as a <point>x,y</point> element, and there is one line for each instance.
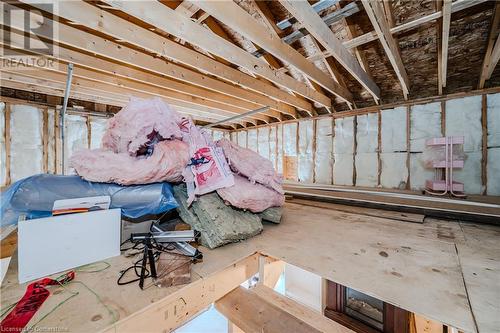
<point>419,267</point>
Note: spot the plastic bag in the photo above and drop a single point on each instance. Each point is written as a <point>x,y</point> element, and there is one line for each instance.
<point>34,196</point>
<point>208,169</point>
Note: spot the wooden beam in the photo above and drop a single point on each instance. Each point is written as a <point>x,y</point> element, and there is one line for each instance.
<point>170,312</point>
<point>87,91</point>
<point>254,315</point>
<point>237,18</point>
<point>173,23</point>
<point>123,76</point>
<point>378,19</point>
<point>127,86</point>
<point>495,57</point>
<point>270,271</point>
<point>316,320</point>
<point>371,36</point>
<point>269,21</point>
<point>494,30</point>
<point>104,22</point>
<point>445,36</point>
<point>313,23</point>
<point>267,17</point>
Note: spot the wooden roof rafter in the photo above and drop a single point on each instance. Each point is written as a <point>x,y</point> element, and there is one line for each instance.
<point>274,30</point>
<point>316,27</point>
<point>237,18</point>
<point>170,22</point>
<point>378,18</point>
<point>413,24</point>
<point>489,62</point>
<point>99,20</point>
<point>88,92</point>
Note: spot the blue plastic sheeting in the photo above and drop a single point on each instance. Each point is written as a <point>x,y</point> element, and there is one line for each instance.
<point>34,196</point>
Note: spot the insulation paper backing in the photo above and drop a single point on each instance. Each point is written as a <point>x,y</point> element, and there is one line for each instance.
<point>290,139</point>
<point>226,135</point>
<point>343,149</point>
<point>394,172</point>
<point>367,133</point>
<point>343,141</point>
<point>3,167</point>
<point>252,140</point>
<point>279,157</point>
<point>272,145</point>
<point>342,169</point>
<point>324,151</point>
<point>263,141</point>
<point>393,130</point>
<point>425,123</point>
<point>463,118</point>
<point>26,145</point>
<point>75,137</point>
<point>242,138</point>
<point>305,157</point>
<point>493,116</point>
<point>97,128</point>
<point>217,135</point>
<point>366,169</point>
<point>418,173</point>
<point>470,175</point>
<point>493,171</point>
<point>234,137</point>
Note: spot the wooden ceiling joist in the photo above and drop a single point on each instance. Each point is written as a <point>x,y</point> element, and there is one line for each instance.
<point>171,22</point>
<point>445,36</point>
<point>124,75</point>
<point>93,80</point>
<point>21,81</point>
<point>238,19</point>
<point>324,35</point>
<point>261,309</point>
<point>378,19</point>
<point>488,65</point>
<point>102,21</point>
<point>57,81</point>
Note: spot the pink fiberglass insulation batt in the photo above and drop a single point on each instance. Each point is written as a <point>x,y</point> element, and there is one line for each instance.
<point>251,165</point>
<point>254,197</point>
<point>132,127</point>
<point>167,162</point>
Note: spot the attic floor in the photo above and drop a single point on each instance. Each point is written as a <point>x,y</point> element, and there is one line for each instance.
<point>443,270</point>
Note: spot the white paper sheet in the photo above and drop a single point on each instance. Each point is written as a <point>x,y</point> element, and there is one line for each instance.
<point>54,244</point>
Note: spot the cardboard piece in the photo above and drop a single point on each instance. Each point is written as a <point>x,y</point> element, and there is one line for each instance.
<point>54,244</point>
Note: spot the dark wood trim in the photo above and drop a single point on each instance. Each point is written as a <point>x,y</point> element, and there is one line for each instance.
<point>396,320</point>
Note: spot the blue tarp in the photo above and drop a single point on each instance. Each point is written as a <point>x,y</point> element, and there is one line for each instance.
<point>34,196</point>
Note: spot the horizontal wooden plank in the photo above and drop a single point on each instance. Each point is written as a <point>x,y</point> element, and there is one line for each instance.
<point>252,314</point>
<point>301,312</point>
<point>170,312</point>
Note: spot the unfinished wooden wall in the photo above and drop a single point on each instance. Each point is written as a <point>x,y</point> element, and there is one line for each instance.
<point>30,139</point>
<point>385,148</point>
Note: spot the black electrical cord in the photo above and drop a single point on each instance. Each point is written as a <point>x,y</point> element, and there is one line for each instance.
<point>137,265</point>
